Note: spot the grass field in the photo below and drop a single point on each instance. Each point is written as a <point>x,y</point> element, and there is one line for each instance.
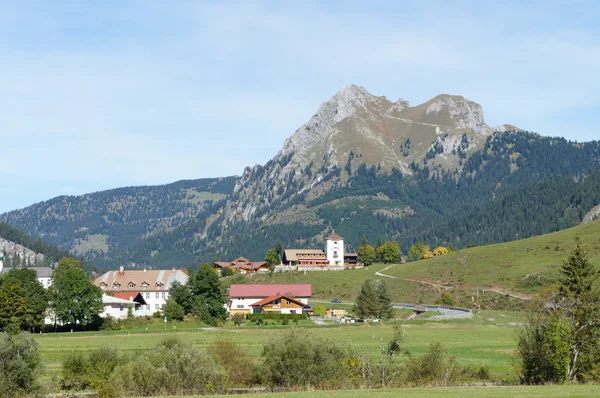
<point>458,392</point>
<point>522,266</point>
<point>476,341</point>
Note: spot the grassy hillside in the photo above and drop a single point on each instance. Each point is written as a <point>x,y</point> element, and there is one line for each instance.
<point>522,266</point>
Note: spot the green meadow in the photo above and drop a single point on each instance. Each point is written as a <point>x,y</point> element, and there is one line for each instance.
<point>476,341</point>
<point>450,392</point>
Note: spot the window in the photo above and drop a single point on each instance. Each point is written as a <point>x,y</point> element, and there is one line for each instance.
<point>288,302</point>
<point>162,295</point>
<point>130,285</point>
<point>292,311</point>
<point>116,285</point>
<point>121,307</point>
<point>165,295</point>
<point>335,255</point>
<point>157,295</point>
<point>147,295</point>
<point>240,306</point>
<point>156,307</point>
<point>145,285</point>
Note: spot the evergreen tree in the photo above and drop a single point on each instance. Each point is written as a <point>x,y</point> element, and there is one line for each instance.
<point>367,303</point>
<point>208,301</point>
<point>579,299</point>
<point>386,310</point>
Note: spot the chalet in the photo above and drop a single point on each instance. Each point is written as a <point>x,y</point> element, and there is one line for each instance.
<point>243,266</point>
<point>333,255</point>
<point>279,304</point>
<point>152,285</point>
<point>251,297</point>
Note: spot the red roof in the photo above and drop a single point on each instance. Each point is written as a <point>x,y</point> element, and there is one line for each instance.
<point>126,295</point>
<point>334,236</point>
<point>271,298</point>
<point>266,290</point>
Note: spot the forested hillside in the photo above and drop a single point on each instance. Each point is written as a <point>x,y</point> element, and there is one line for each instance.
<point>94,225</point>
<point>18,249</point>
<point>519,185</point>
<point>362,166</point>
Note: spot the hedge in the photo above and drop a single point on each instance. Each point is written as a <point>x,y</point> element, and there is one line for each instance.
<point>254,317</point>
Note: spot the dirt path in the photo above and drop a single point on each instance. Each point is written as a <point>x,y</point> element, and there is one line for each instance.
<point>441,285</point>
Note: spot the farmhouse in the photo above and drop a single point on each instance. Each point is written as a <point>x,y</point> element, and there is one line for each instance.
<point>152,285</point>
<point>268,298</point>
<point>243,266</point>
<point>332,255</point>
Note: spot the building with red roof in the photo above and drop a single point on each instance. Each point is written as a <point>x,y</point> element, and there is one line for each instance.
<point>245,298</point>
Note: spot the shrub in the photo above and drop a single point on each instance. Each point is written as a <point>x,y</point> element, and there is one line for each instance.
<point>226,271</point>
<point>236,361</point>
<point>238,319</point>
<point>172,368</point>
<point>296,359</point>
<point>80,373</point>
<point>436,368</point>
<point>20,365</point>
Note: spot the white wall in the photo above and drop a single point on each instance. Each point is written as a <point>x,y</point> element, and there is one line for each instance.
<point>154,303</point>
<point>245,303</point>
<point>334,249</point>
<point>117,311</point>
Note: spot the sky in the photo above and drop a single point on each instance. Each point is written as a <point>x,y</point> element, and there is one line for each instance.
<point>99,95</point>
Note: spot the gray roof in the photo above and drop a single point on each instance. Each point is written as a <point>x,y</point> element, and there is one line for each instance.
<point>41,272</point>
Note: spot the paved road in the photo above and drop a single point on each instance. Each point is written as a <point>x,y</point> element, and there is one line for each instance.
<point>447,313</point>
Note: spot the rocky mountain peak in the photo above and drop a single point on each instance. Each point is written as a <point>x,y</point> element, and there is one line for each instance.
<point>465,113</point>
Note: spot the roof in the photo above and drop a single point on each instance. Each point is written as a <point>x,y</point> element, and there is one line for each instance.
<point>266,290</point>
<point>128,295</point>
<point>156,280</point>
<point>294,254</point>
<point>242,263</point>
<point>351,255</point>
<point>106,299</point>
<point>334,236</point>
<point>41,272</point>
<point>271,298</point>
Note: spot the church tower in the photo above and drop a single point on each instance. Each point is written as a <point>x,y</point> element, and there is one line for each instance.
<point>334,249</point>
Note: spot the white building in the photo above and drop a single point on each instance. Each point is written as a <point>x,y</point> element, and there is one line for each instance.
<point>44,274</point>
<point>153,285</point>
<point>334,249</point>
<point>115,307</point>
<point>242,297</point>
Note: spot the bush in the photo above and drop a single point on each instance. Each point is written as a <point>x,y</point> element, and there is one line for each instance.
<point>80,373</point>
<point>172,368</point>
<point>236,361</point>
<point>226,271</point>
<point>298,359</point>
<point>254,317</point>
<point>436,368</point>
<point>20,365</point>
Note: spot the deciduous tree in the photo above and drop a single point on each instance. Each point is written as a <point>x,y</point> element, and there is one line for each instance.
<point>73,298</point>
<point>366,253</point>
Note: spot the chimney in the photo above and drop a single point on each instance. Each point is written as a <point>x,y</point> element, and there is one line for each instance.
<point>121,269</point>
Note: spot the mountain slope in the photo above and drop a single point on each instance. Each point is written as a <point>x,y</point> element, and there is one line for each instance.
<point>363,166</point>
<point>525,265</point>
<point>17,249</point>
<point>96,224</point>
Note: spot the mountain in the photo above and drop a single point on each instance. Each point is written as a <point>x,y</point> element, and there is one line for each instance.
<point>363,166</point>
<point>19,250</point>
<point>98,224</point>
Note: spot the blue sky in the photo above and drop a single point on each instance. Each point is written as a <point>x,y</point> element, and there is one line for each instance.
<point>97,95</point>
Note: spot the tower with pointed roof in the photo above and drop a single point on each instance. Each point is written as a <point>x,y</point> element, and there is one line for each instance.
<point>334,249</point>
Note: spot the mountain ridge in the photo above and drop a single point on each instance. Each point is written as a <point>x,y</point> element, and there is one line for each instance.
<point>360,163</point>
